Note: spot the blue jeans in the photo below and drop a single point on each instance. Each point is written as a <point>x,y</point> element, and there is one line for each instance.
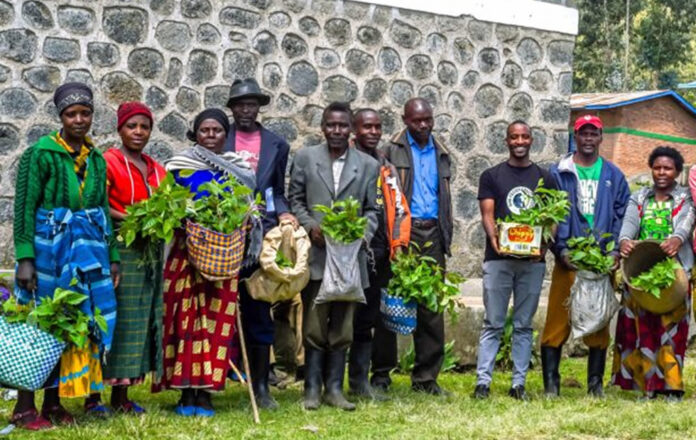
<point>501,278</point>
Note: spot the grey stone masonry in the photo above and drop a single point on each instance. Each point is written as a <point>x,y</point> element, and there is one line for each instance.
<point>180,56</point>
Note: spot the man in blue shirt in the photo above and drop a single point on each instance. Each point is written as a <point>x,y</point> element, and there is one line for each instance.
<point>423,164</point>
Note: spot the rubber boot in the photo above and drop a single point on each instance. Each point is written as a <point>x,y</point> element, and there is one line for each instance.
<point>595,371</point>
<point>333,394</point>
<point>259,358</point>
<point>550,361</point>
<point>314,362</point>
<point>358,369</point>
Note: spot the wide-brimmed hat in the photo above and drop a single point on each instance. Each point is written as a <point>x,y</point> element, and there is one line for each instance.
<point>247,88</point>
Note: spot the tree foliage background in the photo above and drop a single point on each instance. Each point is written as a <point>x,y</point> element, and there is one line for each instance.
<point>626,45</point>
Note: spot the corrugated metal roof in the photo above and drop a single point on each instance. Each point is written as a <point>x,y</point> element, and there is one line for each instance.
<point>603,101</point>
<point>582,100</point>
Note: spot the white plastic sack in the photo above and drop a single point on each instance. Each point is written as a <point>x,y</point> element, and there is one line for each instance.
<point>341,281</point>
<point>592,303</point>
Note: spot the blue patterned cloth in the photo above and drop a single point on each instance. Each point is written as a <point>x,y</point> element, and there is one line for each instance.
<point>74,245</point>
<point>194,179</point>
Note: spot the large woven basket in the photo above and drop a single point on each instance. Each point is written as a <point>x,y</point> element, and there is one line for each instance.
<point>27,355</point>
<point>643,257</point>
<point>217,256</point>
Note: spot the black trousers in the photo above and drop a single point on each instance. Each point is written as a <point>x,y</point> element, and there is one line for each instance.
<point>429,336</point>
<point>367,315</point>
<point>327,326</point>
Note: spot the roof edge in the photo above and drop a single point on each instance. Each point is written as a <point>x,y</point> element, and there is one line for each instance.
<point>661,94</point>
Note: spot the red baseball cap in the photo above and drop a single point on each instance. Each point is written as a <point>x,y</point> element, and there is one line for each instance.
<point>588,119</point>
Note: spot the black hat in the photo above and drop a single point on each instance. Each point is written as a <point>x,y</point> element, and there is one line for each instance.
<point>247,88</point>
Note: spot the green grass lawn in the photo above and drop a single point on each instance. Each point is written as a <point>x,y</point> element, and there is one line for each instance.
<point>406,416</point>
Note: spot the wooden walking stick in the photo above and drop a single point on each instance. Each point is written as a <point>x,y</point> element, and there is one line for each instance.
<point>245,359</point>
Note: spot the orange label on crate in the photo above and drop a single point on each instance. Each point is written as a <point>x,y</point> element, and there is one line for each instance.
<point>521,234</point>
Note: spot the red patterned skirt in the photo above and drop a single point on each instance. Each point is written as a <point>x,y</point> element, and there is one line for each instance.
<point>199,324</point>
<point>649,349</point>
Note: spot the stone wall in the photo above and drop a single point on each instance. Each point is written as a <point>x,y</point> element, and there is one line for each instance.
<point>181,56</point>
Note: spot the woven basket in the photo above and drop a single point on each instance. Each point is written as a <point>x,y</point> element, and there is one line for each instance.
<point>27,355</point>
<point>217,256</point>
<point>397,315</point>
<point>645,255</point>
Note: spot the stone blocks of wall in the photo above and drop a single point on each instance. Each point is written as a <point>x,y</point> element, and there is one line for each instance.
<point>181,56</point>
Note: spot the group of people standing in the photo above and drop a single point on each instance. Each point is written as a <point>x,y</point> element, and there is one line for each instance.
<point>649,348</point>
<point>164,318</point>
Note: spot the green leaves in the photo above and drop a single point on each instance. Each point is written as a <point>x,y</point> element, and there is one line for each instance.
<point>658,277</point>
<point>341,221</point>
<point>419,278</point>
<point>282,261</point>
<point>550,208</point>
<point>225,207</point>
<point>587,254</point>
<point>156,218</point>
<point>60,316</point>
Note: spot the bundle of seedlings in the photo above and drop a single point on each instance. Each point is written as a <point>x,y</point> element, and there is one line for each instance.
<point>418,278</point>
<point>341,220</point>
<point>155,218</point>
<point>524,233</point>
<point>587,254</point>
<point>659,277</point>
<point>59,316</point>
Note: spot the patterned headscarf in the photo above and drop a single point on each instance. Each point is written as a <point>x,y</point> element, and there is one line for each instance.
<point>70,94</point>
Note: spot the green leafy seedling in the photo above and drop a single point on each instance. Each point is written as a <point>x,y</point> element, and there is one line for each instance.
<point>282,261</point>
<point>550,207</point>
<point>342,221</point>
<point>657,278</point>
<point>587,254</point>
<point>419,278</point>
<point>59,315</point>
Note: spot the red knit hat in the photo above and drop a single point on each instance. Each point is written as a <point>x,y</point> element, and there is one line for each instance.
<point>129,109</point>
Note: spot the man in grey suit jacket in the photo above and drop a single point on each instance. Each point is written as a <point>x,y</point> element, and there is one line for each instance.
<point>320,175</point>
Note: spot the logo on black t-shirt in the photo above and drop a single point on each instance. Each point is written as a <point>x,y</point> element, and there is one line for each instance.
<point>519,199</point>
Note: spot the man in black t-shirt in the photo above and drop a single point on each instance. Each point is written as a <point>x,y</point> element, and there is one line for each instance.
<point>504,189</point>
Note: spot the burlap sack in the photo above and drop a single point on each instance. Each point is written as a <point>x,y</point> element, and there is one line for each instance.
<point>271,283</point>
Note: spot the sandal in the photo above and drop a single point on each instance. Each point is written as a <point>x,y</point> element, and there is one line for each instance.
<point>96,409</point>
<point>58,415</point>
<point>185,411</point>
<point>30,420</point>
<point>130,407</point>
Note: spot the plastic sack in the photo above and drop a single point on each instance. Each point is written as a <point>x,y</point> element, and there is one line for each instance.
<point>80,372</point>
<point>397,315</point>
<point>341,281</point>
<point>28,355</point>
<point>272,283</point>
<point>592,303</point>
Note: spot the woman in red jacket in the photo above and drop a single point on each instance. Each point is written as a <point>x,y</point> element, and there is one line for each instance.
<point>137,348</point>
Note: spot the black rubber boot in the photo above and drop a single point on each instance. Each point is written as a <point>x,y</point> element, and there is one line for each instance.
<point>550,360</point>
<point>259,358</point>
<point>314,363</point>
<point>595,371</point>
<point>333,394</point>
<point>358,369</point>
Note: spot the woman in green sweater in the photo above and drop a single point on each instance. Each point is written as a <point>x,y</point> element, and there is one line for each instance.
<point>60,190</point>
